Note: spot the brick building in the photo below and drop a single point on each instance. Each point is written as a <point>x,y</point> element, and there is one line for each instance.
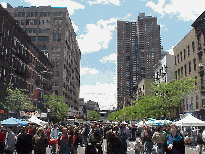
<point>21,62</point>
<point>51,30</point>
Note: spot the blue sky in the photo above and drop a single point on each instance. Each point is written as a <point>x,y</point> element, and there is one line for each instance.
<point>94,22</point>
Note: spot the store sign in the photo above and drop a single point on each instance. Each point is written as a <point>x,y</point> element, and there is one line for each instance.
<point>28,114</point>
<point>35,95</point>
<point>1,111</point>
<point>42,115</point>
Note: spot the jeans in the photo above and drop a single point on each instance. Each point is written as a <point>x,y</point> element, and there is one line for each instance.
<point>85,139</point>
<point>160,148</point>
<point>148,147</point>
<point>53,149</point>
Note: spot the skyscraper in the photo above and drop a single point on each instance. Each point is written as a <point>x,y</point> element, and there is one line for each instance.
<point>50,28</point>
<point>138,49</point>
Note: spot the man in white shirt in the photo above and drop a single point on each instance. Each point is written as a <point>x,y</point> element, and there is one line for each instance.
<point>54,134</point>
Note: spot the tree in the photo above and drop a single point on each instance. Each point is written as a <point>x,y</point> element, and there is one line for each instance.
<point>16,99</point>
<point>58,109</point>
<point>93,116</point>
<point>163,101</point>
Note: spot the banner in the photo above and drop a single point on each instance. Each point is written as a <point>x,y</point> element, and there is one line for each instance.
<point>35,95</point>
<point>28,114</point>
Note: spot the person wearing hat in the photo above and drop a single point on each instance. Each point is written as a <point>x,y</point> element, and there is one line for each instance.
<point>24,142</point>
<point>40,142</point>
<point>2,140</point>
<point>10,141</point>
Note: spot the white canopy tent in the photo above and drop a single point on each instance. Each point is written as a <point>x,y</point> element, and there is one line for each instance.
<point>190,120</point>
<point>36,120</point>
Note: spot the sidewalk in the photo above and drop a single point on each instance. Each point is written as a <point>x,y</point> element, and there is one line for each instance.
<point>190,150</point>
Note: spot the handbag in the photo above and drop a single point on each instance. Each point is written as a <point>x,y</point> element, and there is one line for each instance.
<point>53,142</point>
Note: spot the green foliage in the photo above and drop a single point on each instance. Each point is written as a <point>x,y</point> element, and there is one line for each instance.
<point>16,99</point>
<point>56,104</point>
<point>164,100</point>
<point>93,116</point>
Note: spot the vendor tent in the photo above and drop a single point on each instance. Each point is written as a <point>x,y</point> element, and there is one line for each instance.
<point>190,120</point>
<point>36,121</point>
<point>13,122</point>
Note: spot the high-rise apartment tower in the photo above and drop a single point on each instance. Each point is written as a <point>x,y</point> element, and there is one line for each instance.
<point>50,28</point>
<point>138,49</point>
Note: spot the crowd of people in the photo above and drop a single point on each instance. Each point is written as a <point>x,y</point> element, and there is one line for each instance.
<point>161,139</point>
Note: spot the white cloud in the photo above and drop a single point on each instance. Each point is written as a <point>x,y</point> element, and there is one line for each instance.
<point>185,10</point>
<point>163,27</point>
<point>97,36</point>
<point>126,18</point>
<point>104,94</point>
<point>87,70</point>
<point>171,52</point>
<point>4,4</point>
<point>75,26</point>
<point>71,5</point>
<point>112,58</point>
<point>104,2</point>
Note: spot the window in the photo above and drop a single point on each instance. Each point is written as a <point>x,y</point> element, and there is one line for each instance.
<point>58,56</point>
<point>193,46</point>
<point>54,38</point>
<point>185,71</point>
<point>178,58</point>
<point>30,30</point>
<point>182,71</point>
<point>56,13</point>
<point>33,38</point>
<point>197,103</point>
<point>28,14</point>
<point>60,21</point>
<point>56,92</point>
<point>184,54</point>
<point>32,14</point>
<point>22,22</point>
<point>57,74</point>
<point>19,14</point>
<point>36,14</point>
<point>43,38</point>
<point>31,22</point>
<point>35,21</point>
<point>34,30</point>
<point>15,14</point>
<point>176,75</point>
<point>59,30</point>
<point>175,60</point>
<point>188,50</point>
<point>56,83</point>
<point>23,14</point>
<point>53,56</point>
<point>19,22</point>
<point>59,38</point>
<point>57,64</point>
<point>26,30</point>
<point>54,30</point>
<point>187,105</point>
<point>60,13</point>
<point>181,56</point>
<point>41,14</point>
<point>194,61</point>
<point>189,67</point>
<point>179,72</point>
<point>55,21</point>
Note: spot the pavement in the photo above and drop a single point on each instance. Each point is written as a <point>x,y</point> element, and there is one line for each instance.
<point>130,149</point>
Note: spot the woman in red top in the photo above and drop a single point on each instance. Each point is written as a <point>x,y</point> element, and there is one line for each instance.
<point>48,132</point>
<point>2,139</point>
<point>30,130</point>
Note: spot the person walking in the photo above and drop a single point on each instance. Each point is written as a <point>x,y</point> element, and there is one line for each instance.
<point>123,136</point>
<point>40,142</point>
<point>2,140</point>
<point>63,146</point>
<point>85,133</point>
<point>175,142</point>
<point>54,135</point>
<point>114,143</point>
<point>147,140</point>
<point>24,142</point>
<point>96,140</point>
<point>200,141</point>
<point>10,141</point>
<point>158,138</point>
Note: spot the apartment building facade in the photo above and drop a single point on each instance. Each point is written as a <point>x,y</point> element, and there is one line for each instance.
<point>138,49</point>
<point>50,28</point>
<point>189,62</point>
<point>22,63</point>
